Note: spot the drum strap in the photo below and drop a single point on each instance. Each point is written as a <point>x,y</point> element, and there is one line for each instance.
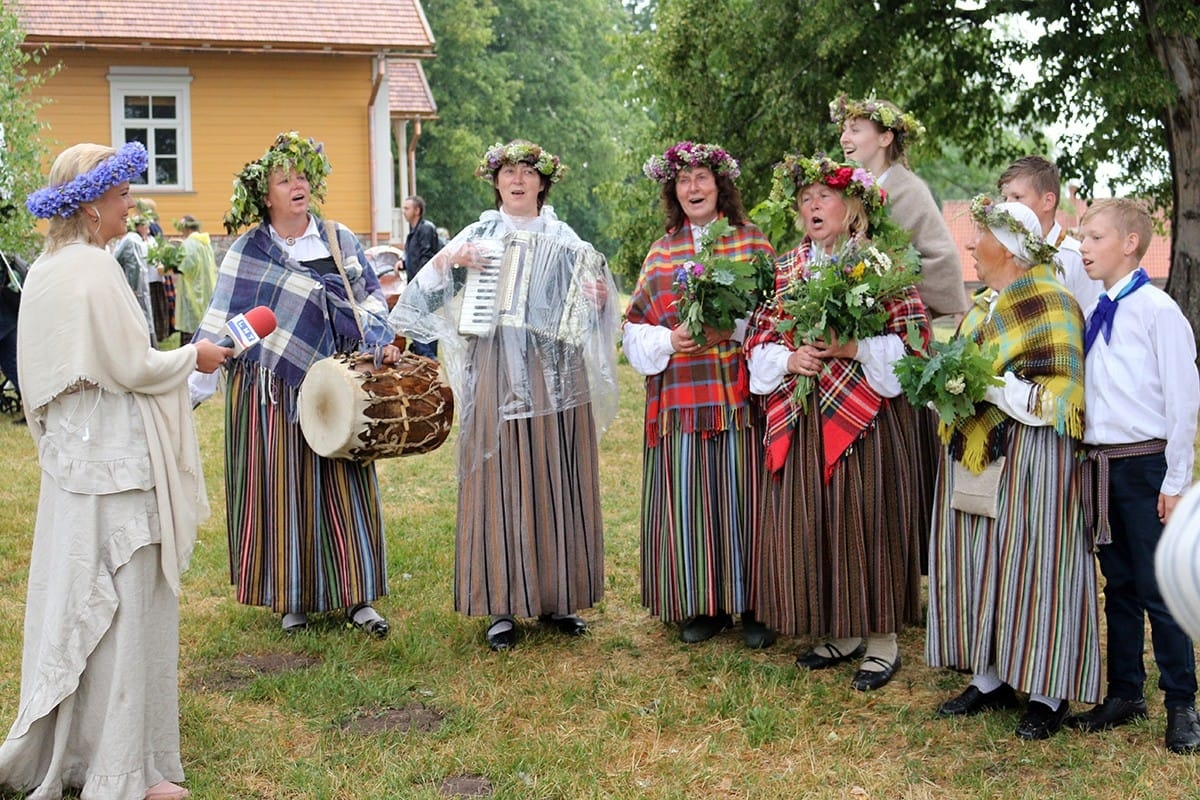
<point>335,250</point>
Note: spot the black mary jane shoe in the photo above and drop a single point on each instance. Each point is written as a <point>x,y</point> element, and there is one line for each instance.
<point>569,624</point>
<point>1041,721</point>
<point>814,660</point>
<point>866,680</point>
<point>502,635</point>
<point>377,626</point>
<point>703,627</point>
<point>972,701</point>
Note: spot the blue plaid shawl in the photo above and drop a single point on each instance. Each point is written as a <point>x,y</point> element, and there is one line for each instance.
<point>315,319</point>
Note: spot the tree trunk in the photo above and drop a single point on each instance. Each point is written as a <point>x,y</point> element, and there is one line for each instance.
<point>1180,59</point>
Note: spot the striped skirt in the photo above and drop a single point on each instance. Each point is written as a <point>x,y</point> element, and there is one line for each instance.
<point>699,517</point>
<point>530,533</point>
<point>1018,592</point>
<point>305,532</point>
<point>842,558</point>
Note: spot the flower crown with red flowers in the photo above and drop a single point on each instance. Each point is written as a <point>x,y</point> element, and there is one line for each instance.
<point>797,171</point>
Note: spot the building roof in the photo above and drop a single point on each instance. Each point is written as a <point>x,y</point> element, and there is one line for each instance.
<point>345,26</point>
<point>408,91</point>
<point>957,214</point>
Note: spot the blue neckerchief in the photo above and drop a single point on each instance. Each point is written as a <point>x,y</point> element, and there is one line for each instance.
<point>1101,319</point>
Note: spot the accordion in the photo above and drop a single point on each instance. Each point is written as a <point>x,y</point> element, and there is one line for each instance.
<point>536,284</point>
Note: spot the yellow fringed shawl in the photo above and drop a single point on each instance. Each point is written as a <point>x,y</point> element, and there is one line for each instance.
<point>1039,330</point>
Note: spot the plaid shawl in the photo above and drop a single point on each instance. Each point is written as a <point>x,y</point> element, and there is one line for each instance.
<point>1039,329</point>
<point>708,392</point>
<point>315,320</point>
<point>846,400</point>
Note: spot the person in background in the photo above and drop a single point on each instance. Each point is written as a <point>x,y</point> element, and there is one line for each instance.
<point>1035,182</point>
<point>306,533</point>
<point>162,284</point>
<point>1143,396</point>
<point>130,253</point>
<point>122,493</point>
<point>532,405</point>
<point>877,134</point>
<point>419,247</point>
<point>1012,583</point>
<point>702,459</point>
<point>196,277</point>
<point>12,279</point>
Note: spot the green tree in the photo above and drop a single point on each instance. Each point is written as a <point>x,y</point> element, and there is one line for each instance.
<point>529,69</point>
<point>21,150</point>
<point>757,76</point>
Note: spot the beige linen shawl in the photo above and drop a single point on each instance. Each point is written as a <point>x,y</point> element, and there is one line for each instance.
<point>80,324</point>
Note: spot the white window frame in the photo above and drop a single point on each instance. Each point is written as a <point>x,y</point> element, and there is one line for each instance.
<point>159,81</point>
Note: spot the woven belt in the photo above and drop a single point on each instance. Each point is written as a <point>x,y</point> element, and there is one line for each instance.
<point>1094,476</point>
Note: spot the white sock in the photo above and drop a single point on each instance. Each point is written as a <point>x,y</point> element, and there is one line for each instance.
<point>1048,702</point>
<point>882,646</point>
<point>844,647</point>
<point>501,623</point>
<point>366,614</point>
<point>987,681</point>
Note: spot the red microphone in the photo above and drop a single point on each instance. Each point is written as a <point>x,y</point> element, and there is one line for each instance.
<point>246,330</point>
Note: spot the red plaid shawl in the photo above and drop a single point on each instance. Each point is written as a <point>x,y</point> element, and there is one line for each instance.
<point>708,392</point>
<point>848,403</point>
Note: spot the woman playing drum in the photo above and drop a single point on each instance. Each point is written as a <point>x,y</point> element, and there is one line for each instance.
<point>305,532</point>
<point>532,401</point>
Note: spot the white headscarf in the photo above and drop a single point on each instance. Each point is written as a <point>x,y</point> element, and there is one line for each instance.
<point>1014,242</point>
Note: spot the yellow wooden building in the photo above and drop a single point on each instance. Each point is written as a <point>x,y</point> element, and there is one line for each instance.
<point>207,87</point>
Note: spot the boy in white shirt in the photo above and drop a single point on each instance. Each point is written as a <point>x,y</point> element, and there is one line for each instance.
<point>1143,395</point>
<point>1034,182</point>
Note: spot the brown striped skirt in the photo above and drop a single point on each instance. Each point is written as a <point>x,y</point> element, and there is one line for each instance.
<point>842,559</point>
<point>1018,592</point>
<point>530,534</point>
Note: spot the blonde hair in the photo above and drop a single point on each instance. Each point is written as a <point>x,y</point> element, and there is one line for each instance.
<point>1129,216</point>
<point>853,224</point>
<point>71,163</point>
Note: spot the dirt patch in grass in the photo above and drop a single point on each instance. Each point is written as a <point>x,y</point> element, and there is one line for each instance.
<point>413,717</point>
<point>466,786</point>
<point>241,670</point>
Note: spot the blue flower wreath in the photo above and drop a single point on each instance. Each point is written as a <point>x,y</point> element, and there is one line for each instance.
<point>66,198</point>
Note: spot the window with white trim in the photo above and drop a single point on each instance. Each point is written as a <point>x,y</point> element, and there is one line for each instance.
<point>152,105</point>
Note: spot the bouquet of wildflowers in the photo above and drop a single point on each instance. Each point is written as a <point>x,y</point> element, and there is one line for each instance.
<point>952,376</point>
<point>164,253</point>
<point>844,294</point>
<point>720,291</point>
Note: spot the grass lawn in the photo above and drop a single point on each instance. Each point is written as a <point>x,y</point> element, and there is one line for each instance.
<point>627,712</point>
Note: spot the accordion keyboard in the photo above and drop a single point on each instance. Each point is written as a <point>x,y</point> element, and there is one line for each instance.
<point>479,301</point>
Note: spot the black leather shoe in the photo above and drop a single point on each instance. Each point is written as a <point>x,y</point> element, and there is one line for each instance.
<point>1113,712</point>
<point>702,627</point>
<point>1183,730</point>
<point>755,635</point>
<point>866,680</point>
<point>570,624</point>
<point>814,660</point>
<point>972,702</point>
<point>1041,721</point>
<point>502,634</point>
<point>376,625</point>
